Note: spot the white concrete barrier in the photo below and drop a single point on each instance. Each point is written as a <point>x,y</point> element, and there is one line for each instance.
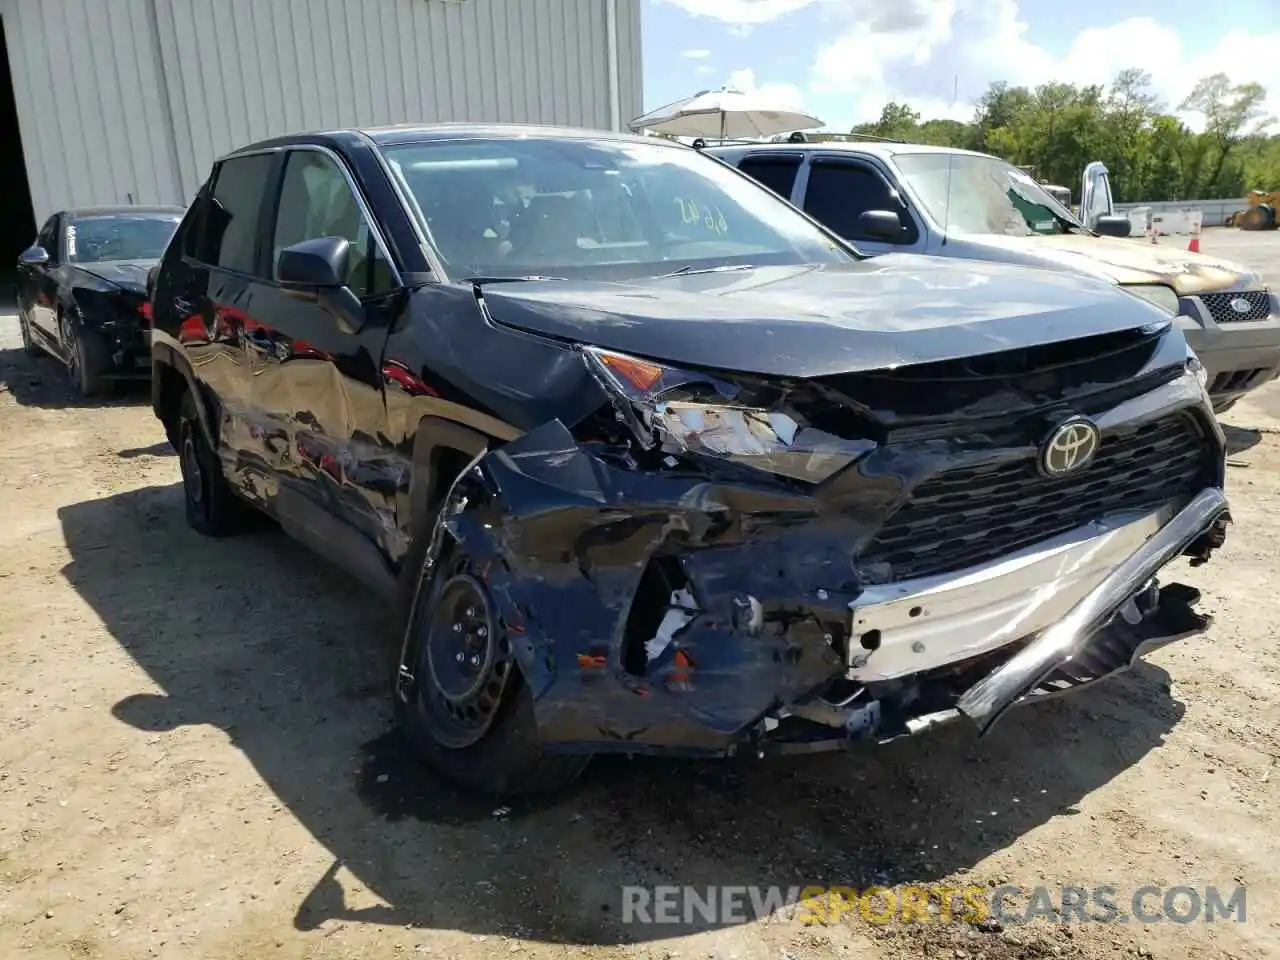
<point>1139,220</point>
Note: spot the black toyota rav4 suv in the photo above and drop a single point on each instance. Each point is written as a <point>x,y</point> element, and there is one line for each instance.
<point>649,461</point>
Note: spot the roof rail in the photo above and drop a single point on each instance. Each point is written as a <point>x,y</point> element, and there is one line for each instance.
<point>860,136</point>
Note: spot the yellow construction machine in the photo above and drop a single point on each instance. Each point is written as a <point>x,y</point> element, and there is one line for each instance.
<point>1260,214</point>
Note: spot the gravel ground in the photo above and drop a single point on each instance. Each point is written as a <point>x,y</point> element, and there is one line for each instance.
<point>194,759</point>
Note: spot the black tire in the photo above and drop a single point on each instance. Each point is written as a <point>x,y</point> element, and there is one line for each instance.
<point>212,509</point>
<point>87,359</point>
<point>506,759</point>
<point>1259,217</point>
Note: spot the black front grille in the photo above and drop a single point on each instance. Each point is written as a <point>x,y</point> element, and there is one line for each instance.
<point>973,515</point>
<point>1222,306</point>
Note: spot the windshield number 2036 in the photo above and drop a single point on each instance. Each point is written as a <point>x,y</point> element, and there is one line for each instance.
<point>712,219</point>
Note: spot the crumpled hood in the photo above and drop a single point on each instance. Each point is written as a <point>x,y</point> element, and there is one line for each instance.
<point>811,321</point>
<point>129,275</point>
<point>1128,261</point>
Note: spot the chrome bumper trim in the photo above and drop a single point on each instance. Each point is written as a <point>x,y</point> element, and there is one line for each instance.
<point>930,622</point>
<point>985,702</point>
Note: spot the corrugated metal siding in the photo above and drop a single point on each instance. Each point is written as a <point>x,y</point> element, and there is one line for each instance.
<point>88,96</point>
<point>134,99</point>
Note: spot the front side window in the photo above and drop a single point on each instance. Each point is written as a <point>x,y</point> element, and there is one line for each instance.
<point>231,213</point>
<point>96,239</point>
<point>606,209</point>
<point>982,195</point>
<point>838,194</point>
<point>316,201</point>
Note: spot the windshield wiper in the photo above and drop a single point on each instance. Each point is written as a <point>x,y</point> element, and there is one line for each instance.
<point>689,269</point>
<point>531,278</point>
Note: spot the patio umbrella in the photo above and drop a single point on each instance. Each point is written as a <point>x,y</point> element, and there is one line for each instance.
<point>725,114</point>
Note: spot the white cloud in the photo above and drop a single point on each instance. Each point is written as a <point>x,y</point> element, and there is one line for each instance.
<point>784,94</point>
<point>696,54</point>
<point>1097,54</point>
<point>930,42</point>
<point>741,12</point>
<point>913,50</point>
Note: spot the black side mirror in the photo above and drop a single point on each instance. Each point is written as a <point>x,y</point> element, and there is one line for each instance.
<point>317,269</point>
<point>880,225</point>
<point>321,262</point>
<point>1112,226</point>
<point>36,256</point>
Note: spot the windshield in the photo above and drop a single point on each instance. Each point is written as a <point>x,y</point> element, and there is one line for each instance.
<point>987,195</point>
<point>599,209</point>
<point>119,237</point>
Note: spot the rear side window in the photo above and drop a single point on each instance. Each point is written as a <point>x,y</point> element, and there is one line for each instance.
<point>839,193</point>
<point>231,213</point>
<point>776,173</point>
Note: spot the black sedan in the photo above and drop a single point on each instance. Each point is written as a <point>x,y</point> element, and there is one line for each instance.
<point>82,290</point>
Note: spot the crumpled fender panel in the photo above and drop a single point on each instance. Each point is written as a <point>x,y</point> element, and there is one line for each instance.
<point>565,539</point>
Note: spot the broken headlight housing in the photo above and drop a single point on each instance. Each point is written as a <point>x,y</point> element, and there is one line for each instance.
<point>1195,367</point>
<point>683,412</point>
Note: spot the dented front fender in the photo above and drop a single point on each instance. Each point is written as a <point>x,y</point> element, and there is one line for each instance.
<point>583,560</point>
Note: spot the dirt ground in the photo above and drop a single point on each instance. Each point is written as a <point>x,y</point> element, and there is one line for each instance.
<point>194,758</point>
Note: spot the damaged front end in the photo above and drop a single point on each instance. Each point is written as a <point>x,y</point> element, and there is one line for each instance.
<point>715,563</point>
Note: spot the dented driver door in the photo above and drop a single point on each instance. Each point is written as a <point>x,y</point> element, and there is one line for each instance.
<point>317,387</point>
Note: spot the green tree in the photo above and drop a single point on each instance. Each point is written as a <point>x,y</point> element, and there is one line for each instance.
<point>897,122</point>
<point>1228,111</point>
<point>1057,128</point>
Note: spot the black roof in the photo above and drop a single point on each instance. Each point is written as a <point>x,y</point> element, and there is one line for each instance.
<point>108,210</point>
<point>419,132</point>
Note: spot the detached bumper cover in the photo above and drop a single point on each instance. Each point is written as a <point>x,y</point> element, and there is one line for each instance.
<point>987,701</point>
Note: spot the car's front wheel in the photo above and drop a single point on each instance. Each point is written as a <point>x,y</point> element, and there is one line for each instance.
<point>464,707</point>
<point>87,359</point>
<point>212,508</point>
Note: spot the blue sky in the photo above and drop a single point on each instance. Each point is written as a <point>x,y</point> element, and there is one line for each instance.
<point>843,59</point>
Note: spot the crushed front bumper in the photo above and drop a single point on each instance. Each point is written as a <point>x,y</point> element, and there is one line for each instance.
<point>771,647</point>
<point>1199,523</point>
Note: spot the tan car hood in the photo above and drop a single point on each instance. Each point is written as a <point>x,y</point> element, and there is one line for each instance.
<point>1135,261</point>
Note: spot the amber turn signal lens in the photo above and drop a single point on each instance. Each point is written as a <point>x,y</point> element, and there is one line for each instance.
<point>639,373</point>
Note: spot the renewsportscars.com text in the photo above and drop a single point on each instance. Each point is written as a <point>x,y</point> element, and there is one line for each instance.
<point>1007,905</point>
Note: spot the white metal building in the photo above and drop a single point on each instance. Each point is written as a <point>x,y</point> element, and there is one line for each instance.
<point>129,101</point>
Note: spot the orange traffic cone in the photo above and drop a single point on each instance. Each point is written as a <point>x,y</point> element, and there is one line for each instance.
<point>1194,245</point>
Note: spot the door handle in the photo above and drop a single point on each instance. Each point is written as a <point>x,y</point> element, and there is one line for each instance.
<point>184,306</point>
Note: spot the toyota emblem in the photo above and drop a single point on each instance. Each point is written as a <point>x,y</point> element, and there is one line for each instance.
<point>1069,447</point>
<point>1241,305</point>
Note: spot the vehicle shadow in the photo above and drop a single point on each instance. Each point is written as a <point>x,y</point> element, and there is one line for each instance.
<point>42,382</point>
<point>255,637</point>
<point>161,449</point>
<point>1240,439</point>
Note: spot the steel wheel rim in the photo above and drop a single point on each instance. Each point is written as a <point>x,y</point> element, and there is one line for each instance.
<point>463,663</point>
<point>192,472</point>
